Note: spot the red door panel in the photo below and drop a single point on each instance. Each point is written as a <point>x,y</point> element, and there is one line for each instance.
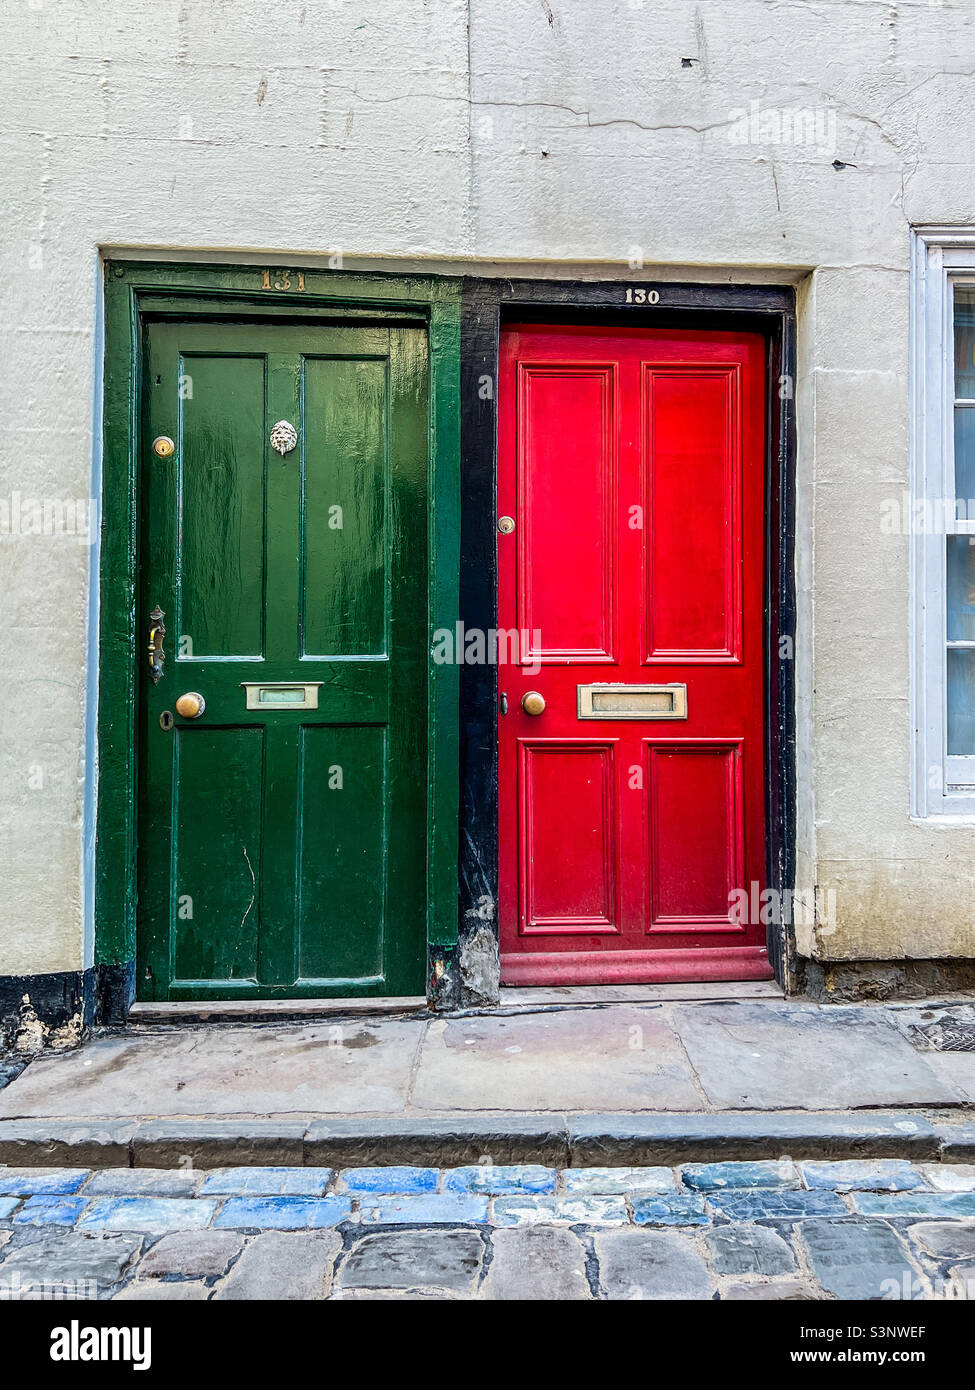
<point>693,487</point>
<point>696,839</point>
<point>574,626</point>
<point>562,894</point>
<point>632,462</point>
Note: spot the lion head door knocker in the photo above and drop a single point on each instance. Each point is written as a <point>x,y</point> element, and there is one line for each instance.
<point>284,437</point>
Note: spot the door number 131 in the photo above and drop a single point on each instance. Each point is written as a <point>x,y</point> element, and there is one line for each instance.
<point>283,280</point>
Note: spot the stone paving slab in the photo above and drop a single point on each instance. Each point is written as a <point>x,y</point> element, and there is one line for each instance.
<point>154,1291</point>
<point>435,1208</point>
<point>713,1177</point>
<point>591,1210</point>
<point>277,1266</point>
<point>764,1055</point>
<point>283,1213</point>
<point>651,1265</point>
<point>497,1179</point>
<point>932,1204</point>
<point>153,1215</point>
<point>601,1233</point>
<point>946,1240</point>
<point>857,1260</point>
<point>620,1180</point>
<point>67,1259</point>
<point>51,1211</point>
<point>268,1182</point>
<point>749,1250</point>
<point>621,1058</point>
<point>776,1290</point>
<point>757,1204</point>
<point>414,1259</point>
<point>541,1262</point>
<point>405,1179</point>
<point>950,1177</point>
<point>304,1068</point>
<point>40,1182</point>
<point>143,1182</point>
<point>192,1254</point>
<point>883,1175</point>
<point>682,1209</point>
<point>953,1068</point>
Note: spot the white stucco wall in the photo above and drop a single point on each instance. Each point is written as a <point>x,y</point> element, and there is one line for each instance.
<point>556,133</point>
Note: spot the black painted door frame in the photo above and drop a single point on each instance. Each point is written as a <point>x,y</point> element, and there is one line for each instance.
<point>486,304</point>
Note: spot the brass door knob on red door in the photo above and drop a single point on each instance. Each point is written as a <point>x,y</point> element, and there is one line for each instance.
<point>191,705</point>
<point>532,702</point>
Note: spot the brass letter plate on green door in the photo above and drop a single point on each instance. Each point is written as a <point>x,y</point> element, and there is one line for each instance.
<point>282,695</point>
<point>632,701</point>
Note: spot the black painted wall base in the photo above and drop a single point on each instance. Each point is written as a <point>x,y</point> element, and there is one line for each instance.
<point>468,975</point>
<point>58,1009</point>
<point>115,993</point>
<point>50,1010</point>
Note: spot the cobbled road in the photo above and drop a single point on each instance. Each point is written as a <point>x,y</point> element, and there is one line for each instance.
<point>859,1230</point>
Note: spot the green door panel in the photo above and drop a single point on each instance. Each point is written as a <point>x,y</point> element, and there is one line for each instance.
<point>345,495</point>
<point>220,482</point>
<point>343,852</point>
<point>282,851</point>
<point>216,786</point>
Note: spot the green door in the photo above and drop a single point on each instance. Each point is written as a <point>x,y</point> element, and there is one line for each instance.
<point>282,830</point>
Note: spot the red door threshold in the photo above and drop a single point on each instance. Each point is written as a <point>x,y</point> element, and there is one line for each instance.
<point>635,967</point>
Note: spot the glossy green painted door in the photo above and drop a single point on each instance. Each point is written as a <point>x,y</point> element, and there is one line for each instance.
<point>282,850</point>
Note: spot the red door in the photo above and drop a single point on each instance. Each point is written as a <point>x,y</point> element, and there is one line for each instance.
<point>632,806</point>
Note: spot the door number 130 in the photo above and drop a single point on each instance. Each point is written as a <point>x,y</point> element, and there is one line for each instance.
<point>639,295</point>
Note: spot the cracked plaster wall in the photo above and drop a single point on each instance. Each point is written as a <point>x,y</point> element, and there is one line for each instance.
<point>525,134</point>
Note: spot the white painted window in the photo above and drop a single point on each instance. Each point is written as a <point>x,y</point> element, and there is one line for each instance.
<point>941,523</point>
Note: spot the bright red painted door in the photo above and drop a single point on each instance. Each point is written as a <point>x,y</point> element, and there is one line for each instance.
<point>632,807</point>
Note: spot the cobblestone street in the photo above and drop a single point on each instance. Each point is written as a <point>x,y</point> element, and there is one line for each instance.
<point>748,1230</point>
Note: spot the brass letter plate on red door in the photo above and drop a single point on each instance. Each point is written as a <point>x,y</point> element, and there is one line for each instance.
<point>632,701</point>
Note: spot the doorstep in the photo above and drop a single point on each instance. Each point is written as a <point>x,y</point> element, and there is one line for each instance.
<point>273,1010</point>
<point>577,996</point>
<point>512,997</point>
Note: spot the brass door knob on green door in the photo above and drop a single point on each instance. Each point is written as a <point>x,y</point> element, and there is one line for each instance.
<point>191,705</point>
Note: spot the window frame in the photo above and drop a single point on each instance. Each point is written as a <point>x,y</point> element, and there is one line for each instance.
<point>942,258</point>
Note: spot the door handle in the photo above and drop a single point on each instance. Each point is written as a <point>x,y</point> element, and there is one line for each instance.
<point>191,705</point>
<point>157,631</point>
<point>532,702</point>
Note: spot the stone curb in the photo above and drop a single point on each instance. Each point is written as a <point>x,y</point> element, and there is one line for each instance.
<point>671,1138</point>
<point>450,1140</point>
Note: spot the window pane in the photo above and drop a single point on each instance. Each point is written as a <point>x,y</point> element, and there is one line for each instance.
<point>961,702</point>
<point>961,588</point>
<point>965,342</point>
<point>965,461</point>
